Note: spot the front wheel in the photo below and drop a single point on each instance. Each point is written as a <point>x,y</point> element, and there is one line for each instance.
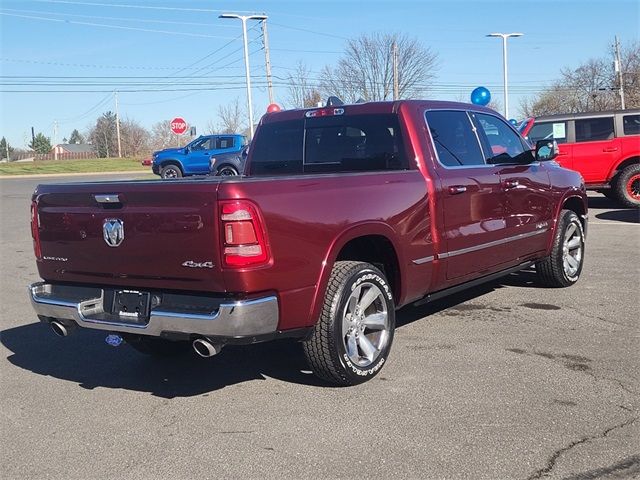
<point>171,171</point>
<point>627,186</point>
<point>227,171</point>
<point>563,267</point>
<point>352,338</point>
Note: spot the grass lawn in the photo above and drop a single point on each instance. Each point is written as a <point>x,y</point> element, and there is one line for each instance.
<point>72,166</point>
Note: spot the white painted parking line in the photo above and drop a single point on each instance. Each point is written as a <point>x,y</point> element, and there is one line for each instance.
<point>616,223</point>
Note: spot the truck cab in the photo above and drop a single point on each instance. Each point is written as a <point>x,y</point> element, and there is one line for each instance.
<point>194,158</point>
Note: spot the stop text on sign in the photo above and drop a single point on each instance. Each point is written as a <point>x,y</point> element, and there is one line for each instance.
<point>178,125</point>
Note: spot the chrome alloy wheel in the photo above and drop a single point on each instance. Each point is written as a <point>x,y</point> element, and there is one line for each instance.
<point>365,324</point>
<point>572,249</point>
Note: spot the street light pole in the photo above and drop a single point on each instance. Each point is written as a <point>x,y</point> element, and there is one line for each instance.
<point>244,19</point>
<point>504,37</point>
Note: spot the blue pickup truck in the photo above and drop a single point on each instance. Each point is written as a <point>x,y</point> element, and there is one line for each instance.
<point>193,159</point>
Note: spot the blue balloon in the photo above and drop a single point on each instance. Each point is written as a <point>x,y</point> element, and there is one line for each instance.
<point>513,122</point>
<point>480,96</point>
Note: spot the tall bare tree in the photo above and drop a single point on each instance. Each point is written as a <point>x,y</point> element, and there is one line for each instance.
<point>302,89</point>
<point>231,117</point>
<point>135,138</point>
<point>365,71</point>
<point>591,87</point>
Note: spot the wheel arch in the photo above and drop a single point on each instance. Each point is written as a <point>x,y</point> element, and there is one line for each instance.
<point>619,167</point>
<point>576,202</point>
<point>172,161</point>
<point>374,243</point>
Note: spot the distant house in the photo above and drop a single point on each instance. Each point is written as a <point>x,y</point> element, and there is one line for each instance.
<point>79,149</point>
<point>64,151</point>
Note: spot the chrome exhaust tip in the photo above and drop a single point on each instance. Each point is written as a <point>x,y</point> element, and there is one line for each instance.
<point>205,348</point>
<point>59,329</point>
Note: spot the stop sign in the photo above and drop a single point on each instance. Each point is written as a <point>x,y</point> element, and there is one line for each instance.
<point>178,125</point>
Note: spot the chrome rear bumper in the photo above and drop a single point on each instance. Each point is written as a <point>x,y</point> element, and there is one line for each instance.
<point>85,307</point>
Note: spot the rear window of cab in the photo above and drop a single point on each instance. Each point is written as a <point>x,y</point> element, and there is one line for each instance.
<point>329,144</point>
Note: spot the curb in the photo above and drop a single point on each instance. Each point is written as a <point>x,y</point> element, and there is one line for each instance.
<point>53,175</point>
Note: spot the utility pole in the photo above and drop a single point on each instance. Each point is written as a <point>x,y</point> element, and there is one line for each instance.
<point>55,140</point>
<point>267,60</point>
<point>394,53</point>
<point>118,126</point>
<point>618,68</point>
<point>244,19</point>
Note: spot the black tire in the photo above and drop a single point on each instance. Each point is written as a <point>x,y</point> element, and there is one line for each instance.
<point>627,186</point>
<point>157,347</point>
<point>171,171</point>
<point>226,171</point>
<point>557,270</point>
<point>327,350</point>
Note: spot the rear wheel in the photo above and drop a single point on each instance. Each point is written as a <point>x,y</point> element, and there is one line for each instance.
<point>352,338</point>
<point>157,347</point>
<point>563,267</point>
<point>171,171</point>
<point>627,186</point>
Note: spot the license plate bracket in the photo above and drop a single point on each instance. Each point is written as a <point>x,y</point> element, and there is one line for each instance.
<point>131,305</point>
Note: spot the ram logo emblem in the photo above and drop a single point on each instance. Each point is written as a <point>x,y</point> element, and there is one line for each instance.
<point>113,231</point>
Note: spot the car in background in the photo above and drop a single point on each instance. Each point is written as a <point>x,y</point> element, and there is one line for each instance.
<point>194,158</point>
<point>228,164</point>
<point>603,146</point>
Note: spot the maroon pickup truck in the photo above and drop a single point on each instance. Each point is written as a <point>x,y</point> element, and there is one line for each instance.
<point>343,215</point>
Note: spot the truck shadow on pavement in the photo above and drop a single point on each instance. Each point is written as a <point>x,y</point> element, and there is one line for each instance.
<point>84,358</point>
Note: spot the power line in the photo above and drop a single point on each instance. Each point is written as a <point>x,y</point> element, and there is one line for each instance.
<point>315,32</point>
<point>145,7</point>
<point>125,19</point>
<point>118,27</point>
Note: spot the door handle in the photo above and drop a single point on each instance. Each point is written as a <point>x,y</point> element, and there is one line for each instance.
<point>562,154</point>
<point>610,149</point>
<point>456,189</point>
<point>509,184</point>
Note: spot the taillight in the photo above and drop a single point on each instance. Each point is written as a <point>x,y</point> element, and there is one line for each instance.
<point>35,230</point>
<point>244,241</point>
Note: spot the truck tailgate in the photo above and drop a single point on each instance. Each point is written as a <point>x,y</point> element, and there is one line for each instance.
<point>156,234</point>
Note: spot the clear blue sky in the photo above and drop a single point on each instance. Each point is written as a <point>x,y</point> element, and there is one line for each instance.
<point>167,38</point>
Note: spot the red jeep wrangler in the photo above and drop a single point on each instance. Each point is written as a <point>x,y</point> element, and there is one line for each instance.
<point>603,146</point>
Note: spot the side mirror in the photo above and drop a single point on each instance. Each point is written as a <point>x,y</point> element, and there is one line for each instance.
<point>546,150</point>
<point>187,149</point>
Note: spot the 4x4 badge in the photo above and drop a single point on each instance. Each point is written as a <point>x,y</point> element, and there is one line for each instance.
<point>113,231</point>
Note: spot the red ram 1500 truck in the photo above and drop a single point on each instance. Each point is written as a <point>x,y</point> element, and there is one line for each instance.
<point>343,215</point>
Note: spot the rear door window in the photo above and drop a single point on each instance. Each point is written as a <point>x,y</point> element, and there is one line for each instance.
<point>592,129</point>
<point>224,142</point>
<point>631,124</point>
<point>456,143</point>
<point>548,131</point>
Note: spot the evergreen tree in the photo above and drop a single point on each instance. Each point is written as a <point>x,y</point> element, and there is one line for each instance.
<point>5,148</point>
<point>41,144</point>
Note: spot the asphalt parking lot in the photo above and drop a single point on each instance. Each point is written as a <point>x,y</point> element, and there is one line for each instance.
<point>506,381</point>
